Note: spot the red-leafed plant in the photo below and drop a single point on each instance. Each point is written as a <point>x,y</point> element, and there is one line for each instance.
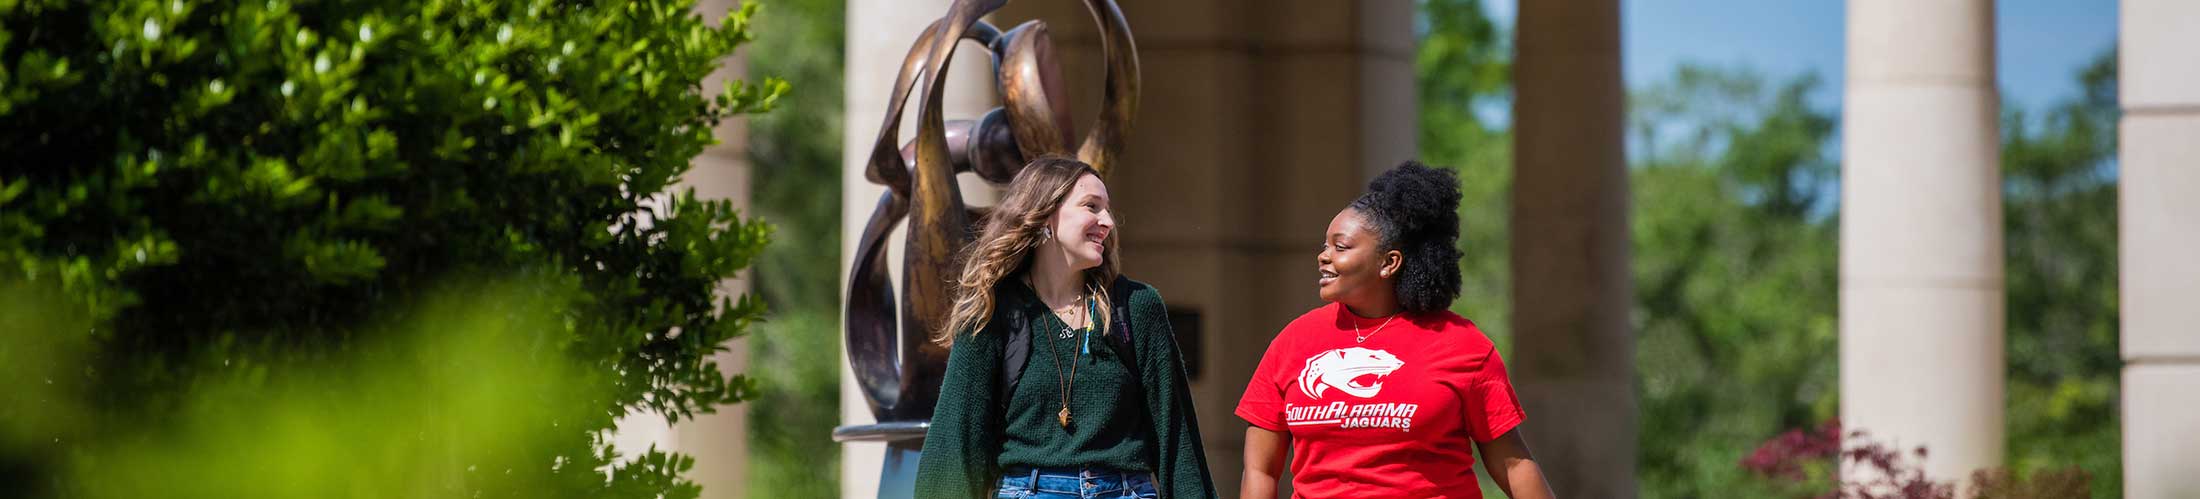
<point>1801,463</point>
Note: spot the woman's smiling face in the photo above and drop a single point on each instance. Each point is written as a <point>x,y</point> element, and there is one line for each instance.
<point>1082,223</point>
<point>1352,264</point>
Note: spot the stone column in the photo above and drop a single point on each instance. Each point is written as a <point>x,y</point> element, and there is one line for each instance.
<point>880,33</point>
<point>1260,119</point>
<point>1921,245</point>
<point>1573,352</point>
<point>2159,205</point>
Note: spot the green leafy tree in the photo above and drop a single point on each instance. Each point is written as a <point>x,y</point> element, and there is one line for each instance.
<point>795,155</point>
<point>1735,274</point>
<point>231,185</point>
<point>2059,233</point>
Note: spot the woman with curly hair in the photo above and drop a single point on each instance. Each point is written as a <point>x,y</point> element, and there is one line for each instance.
<point>1063,377</point>
<point>1384,391</point>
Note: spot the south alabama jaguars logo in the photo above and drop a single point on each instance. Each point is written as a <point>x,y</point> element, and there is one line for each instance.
<point>1342,369</point>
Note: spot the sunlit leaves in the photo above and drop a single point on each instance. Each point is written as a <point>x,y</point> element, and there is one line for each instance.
<point>293,172</point>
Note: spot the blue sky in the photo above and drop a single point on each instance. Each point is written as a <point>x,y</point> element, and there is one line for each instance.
<point>2040,43</point>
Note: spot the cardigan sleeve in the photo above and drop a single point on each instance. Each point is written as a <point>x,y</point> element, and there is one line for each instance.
<point>963,440</point>
<point>1180,463</point>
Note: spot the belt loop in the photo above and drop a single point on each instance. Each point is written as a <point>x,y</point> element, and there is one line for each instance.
<point>1035,478</point>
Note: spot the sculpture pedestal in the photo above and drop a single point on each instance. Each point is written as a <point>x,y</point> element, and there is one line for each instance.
<point>904,446</point>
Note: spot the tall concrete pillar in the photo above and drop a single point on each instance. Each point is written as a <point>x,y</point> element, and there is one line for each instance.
<point>1573,352</point>
<point>1921,244</point>
<point>2159,204</point>
<point>880,33</point>
<point>1260,119</point>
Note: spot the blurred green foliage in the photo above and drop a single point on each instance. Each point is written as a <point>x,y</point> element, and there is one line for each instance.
<point>1735,200</point>
<point>451,402</point>
<point>1735,270</point>
<point>276,184</point>
<point>795,156</point>
<point>2059,234</point>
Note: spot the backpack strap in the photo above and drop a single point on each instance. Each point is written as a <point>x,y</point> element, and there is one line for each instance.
<point>1119,331</point>
<point>1015,355</point>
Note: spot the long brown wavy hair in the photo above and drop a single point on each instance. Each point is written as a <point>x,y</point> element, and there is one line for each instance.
<point>1004,248</point>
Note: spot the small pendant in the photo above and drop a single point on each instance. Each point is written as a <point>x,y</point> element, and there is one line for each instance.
<point>1064,416</point>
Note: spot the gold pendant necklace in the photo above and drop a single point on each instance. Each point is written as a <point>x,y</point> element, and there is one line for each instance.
<point>1069,381</point>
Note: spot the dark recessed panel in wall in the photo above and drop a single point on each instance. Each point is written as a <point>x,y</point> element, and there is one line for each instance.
<point>1185,320</point>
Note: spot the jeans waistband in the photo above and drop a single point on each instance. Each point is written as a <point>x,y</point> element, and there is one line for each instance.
<point>1088,472</point>
<point>1079,482</point>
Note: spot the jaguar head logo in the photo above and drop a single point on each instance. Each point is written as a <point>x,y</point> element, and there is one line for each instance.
<point>1355,371</point>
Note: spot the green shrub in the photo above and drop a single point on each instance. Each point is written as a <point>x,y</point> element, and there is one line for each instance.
<point>218,184</point>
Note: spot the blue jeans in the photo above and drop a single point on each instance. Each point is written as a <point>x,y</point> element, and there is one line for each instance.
<point>1085,483</point>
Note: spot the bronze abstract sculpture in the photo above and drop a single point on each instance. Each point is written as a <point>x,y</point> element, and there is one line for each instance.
<point>898,368</point>
<point>896,365</point>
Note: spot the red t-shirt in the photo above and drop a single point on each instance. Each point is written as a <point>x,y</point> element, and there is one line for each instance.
<point>1390,417</point>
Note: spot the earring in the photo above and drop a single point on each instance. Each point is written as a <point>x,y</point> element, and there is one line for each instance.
<point>1046,233</point>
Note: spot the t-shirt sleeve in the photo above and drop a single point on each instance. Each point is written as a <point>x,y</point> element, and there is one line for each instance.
<point>1262,404</point>
<point>1492,407</point>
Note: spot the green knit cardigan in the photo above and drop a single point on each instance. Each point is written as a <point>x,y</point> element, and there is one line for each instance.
<point>964,449</point>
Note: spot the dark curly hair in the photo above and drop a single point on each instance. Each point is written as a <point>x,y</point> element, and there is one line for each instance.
<point>1415,210</point>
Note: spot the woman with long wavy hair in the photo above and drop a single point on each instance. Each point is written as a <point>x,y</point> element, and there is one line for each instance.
<point>1064,379</point>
